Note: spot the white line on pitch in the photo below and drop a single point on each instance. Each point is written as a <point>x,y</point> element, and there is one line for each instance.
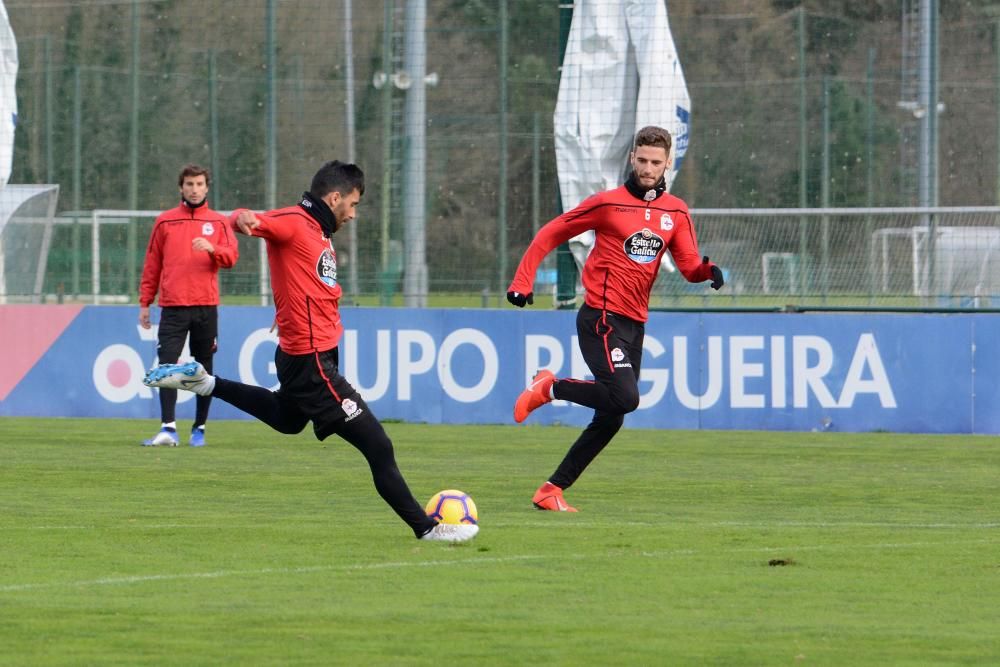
<point>219,574</point>
<point>568,522</point>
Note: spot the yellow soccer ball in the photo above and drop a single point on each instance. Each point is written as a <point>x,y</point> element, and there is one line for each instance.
<point>452,506</point>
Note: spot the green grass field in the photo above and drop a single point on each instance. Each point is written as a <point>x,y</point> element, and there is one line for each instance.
<point>267,549</point>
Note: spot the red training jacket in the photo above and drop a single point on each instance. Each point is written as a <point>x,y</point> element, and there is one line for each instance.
<point>631,236</point>
<point>182,275</point>
<point>303,267</point>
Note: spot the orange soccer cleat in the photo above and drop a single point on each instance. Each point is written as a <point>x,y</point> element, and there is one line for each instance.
<point>550,497</point>
<point>538,393</point>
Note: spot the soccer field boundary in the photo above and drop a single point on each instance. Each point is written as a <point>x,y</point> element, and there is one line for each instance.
<point>359,567</point>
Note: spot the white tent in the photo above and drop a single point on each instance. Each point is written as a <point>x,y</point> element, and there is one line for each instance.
<point>8,94</point>
<point>620,73</point>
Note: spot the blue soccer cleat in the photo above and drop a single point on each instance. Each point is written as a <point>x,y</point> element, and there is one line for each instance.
<point>191,376</point>
<point>197,437</point>
<point>167,437</point>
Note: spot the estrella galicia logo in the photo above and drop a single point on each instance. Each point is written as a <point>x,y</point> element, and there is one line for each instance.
<point>643,247</point>
<point>326,268</point>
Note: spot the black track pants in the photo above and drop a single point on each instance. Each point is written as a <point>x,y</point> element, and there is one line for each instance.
<point>312,389</point>
<point>612,347</point>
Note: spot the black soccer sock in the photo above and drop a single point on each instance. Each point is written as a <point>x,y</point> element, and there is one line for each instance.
<point>591,442</point>
<point>168,405</point>
<point>202,403</point>
<point>368,436</point>
<point>262,404</point>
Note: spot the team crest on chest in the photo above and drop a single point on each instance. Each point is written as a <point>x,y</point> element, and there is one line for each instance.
<point>643,247</point>
<point>666,222</point>
<point>326,268</point>
<point>207,229</point>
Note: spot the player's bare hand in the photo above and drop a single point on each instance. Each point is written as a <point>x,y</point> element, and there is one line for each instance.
<point>144,317</point>
<point>202,244</point>
<point>246,222</point>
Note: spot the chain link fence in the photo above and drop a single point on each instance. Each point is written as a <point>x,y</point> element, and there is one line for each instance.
<point>791,108</point>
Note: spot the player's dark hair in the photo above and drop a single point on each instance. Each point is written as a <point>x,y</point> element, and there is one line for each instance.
<point>193,169</point>
<point>651,135</point>
<point>337,176</point>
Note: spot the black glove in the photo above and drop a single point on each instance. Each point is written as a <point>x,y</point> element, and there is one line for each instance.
<point>717,280</point>
<point>519,299</point>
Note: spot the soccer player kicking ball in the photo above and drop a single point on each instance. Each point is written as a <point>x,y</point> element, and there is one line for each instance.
<point>306,295</point>
<point>634,225</point>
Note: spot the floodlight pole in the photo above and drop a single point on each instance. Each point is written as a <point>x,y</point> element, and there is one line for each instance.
<point>385,298</point>
<point>503,185</point>
<point>77,173</point>
<point>928,187</point>
<point>213,127</point>
<point>133,172</point>
<point>803,155</point>
<point>415,167</point>
<point>271,156</point>
<point>352,230</point>
<point>50,165</point>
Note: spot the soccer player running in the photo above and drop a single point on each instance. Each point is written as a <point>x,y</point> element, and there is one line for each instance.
<point>187,247</point>
<point>634,225</point>
<point>306,291</point>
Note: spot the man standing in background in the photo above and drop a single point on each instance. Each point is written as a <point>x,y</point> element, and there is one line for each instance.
<point>187,247</point>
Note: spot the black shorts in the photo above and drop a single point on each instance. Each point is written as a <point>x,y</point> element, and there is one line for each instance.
<point>176,322</point>
<point>312,385</point>
<point>611,344</point>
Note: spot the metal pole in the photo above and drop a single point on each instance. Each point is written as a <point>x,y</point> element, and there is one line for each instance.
<point>271,158</point>
<point>928,130</point>
<point>133,177</point>
<point>352,229</point>
<point>50,164</point>
<point>996,47</point>
<point>77,174</point>
<point>414,214</point>
<point>825,193</point>
<point>386,204</point>
<point>870,166</point>
<point>536,173</point>
<point>502,249</point>
<point>271,177</point>
<point>213,127</point>
<point>803,155</point>
<point>95,257</point>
